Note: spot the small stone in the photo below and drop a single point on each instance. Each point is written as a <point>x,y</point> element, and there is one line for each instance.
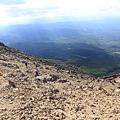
<point>55,90</point>
<point>54,77</point>
<point>117,90</point>
<point>22,98</point>
<point>90,86</point>
<point>1,74</point>
<point>62,80</point>
<point>8,75</point>
<point>4,109</point>
<point>18,70</point>
<point>79,87</point>
<point>44,78</point>
<point>11,83</point>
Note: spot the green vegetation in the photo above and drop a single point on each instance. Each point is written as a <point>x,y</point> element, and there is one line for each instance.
<point>117,53</point>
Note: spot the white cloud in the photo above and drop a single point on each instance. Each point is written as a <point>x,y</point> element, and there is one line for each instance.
<point>11,2</point>
<point>18,11</point>
<point>75,7</point>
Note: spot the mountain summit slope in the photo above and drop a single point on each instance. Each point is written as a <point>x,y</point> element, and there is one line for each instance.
<point>39,89</point>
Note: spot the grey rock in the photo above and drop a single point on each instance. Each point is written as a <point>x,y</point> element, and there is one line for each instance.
<point>117,90</point>
<point>11,83</point>
<point>62,80</point>
<point>44,78</point>
<point>55,90</point>
<point>8,75</point>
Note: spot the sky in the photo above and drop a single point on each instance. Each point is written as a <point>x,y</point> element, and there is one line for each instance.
<point>24,11</point>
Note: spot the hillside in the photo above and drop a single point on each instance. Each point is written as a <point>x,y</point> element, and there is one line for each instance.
<point>43,89</point>
<point>92,59</point>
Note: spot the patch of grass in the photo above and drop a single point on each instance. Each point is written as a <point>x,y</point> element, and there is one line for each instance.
<point>95,71</point>
<point>117,53</point>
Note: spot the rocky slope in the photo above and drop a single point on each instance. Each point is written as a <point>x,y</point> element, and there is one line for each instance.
<point>39,89</point>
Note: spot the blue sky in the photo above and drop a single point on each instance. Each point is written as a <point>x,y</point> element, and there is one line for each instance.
<point>23,11</point>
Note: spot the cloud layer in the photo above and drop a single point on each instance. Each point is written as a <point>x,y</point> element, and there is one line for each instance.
<point>20,11</point>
